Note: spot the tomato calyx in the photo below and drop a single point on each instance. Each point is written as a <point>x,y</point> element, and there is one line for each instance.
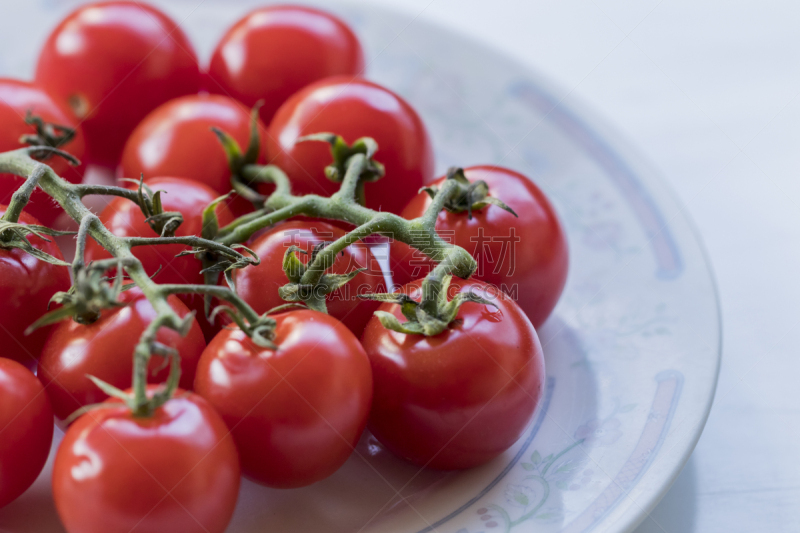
<point>216,261</point>
<point>468,197</point>
<point>226,261</point>
<point>162,222</point>
<point>47,134</point>
<point>237,159</point>
<point>261,331</point>
<point>88,297</point>
<point>312,294</point>
<point>342,152</point>
<point>430,316</point>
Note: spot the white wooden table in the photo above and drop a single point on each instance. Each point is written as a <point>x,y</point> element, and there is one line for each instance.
<point>708,90</point>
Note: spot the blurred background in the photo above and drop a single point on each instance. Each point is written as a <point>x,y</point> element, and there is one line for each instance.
<point>707,91</point>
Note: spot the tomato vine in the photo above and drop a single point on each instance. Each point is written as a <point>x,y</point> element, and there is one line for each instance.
<point>221,249</point>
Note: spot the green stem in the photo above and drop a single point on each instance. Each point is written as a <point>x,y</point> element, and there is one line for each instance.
<point>268,174</point>
<point>326,257</point>
<point>343,205</point>
<point>279,206</point>
<point>82,190</point>
<point>80,242</point>
<point>217,291</point>
<point>106,264</point>
<point>413,232</point>
<point>20,163</point>
<point>447,190</point>
<point>348,191</point>
<point>238,233</point>
<point>22,196</point>
<point>189,240</point>
<point>244,219</point>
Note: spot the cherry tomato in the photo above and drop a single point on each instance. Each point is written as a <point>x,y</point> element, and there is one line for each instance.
<point>352,108</point>
<point>175,470</point>
<point>176,140</point>
<point>16,99</point>
<point>125,219</point>
<point>525,256</point>
<point>104,349</point>
<point>26,426</point>
<point>26,286</point>
<point>111,63</point>
<point>258,285</point>
<point>275,51</point>
<point>297,412</point>
<point>460,398</point>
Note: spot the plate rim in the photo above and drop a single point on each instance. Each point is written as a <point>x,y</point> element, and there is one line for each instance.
<point>646,172</point>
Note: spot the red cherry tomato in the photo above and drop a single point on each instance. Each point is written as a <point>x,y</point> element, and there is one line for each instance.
<point>275,51</point>
<point>125,219</point>
<point>176,140</point>
<point>460,398</point>
<point>26,426</point>
<point>297,412</point>
<point>16,99</point>
<point>525,256</point>
<point>175,470</point>
<point>104,349</point>
<point>111,63</point>
<point>258,285</point>
<point>26,286</point>
<point>353,109</point>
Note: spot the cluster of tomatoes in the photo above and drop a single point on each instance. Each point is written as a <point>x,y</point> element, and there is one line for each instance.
<point>122,80</point>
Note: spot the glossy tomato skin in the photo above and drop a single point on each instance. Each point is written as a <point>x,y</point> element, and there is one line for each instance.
<point>175,139</point>
<point>275,51</point>
<point>16,99</point>
<point>26,286</point>
<point>258,284</point>
<point>352,108</point>
<point>113,471</point>
<point>104,349</point>
<point>458,399</point>
<point>111,63</point>
<point>526,256</point>
<point>297,412</point>
<point>125,219</point>
<point>26,422</point>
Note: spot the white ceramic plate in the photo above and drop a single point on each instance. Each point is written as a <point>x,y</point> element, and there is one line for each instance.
<point>632,349</point>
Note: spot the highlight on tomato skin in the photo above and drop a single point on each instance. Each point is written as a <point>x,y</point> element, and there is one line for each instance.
<point>21,101</point>
<point>26,286</point>
<point>26,419</point>
<point>524,255</point>
<point>352,108</point>
<point>297,411</point>
<point>175,470</point>
<point>274,51</point>
<point>458,399</point>
<point>111,63</point>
